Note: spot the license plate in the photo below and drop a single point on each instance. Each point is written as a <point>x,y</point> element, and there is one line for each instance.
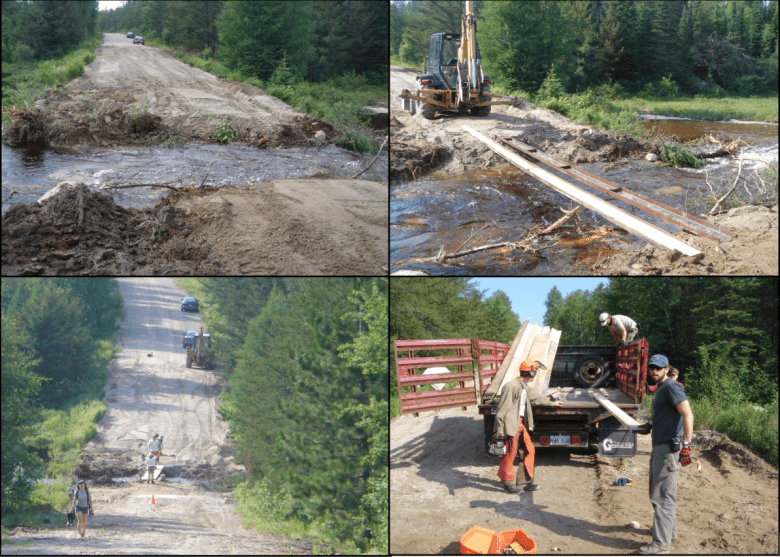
<point>560,440</point>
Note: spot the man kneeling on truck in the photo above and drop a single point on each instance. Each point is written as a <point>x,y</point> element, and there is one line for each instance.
<point>622,327</point>
<point>516,398</point>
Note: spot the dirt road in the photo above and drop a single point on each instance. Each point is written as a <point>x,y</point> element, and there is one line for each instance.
<point>317,225</point>
<point>134,92</point>
<point>158,394</point>
<point>421,146</point>
<point>443,483</point>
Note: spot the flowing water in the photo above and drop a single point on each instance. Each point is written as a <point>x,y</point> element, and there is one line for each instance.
<point>36,170</point>
<point>441,211</point>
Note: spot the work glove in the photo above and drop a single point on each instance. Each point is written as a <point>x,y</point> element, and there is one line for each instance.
<point>91,514</point>
<point>621,343</point>
<point>644,429</point>
<point>685,457</point>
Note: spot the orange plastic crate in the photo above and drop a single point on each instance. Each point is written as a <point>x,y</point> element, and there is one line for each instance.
<point>478,541</point>
<point>508,536</point>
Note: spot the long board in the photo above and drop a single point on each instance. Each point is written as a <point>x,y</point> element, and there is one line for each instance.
<point>617,216</point>
<point>157,472</point>
<point>622,416</point>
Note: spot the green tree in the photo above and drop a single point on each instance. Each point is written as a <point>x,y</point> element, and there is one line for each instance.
<point>255,36</point>
<point>21,385</point>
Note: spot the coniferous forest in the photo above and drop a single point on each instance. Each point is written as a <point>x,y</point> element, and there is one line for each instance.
<point>698,44</point>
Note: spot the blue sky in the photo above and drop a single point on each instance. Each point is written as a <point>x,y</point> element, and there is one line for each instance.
<point>528,294</point>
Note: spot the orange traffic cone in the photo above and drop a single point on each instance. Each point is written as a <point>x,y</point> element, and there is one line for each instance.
<point>152,499</point>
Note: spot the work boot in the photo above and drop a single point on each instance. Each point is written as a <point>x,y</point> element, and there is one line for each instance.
<point>653,549</point>
<point>512,488</point>
<point>531,486</point>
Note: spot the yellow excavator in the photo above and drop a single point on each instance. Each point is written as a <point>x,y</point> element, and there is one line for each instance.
<point>454,81</point>
<point>195,354</point>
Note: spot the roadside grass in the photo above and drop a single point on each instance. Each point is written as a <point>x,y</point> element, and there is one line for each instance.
<point>337,101</point>
<point>396,61</point>
<point>23,82</point>
<point>58,439</point>
<point>699,107</point>
<point>741,422</point>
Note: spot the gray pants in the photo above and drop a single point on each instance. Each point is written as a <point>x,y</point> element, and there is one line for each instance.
<point>663,493</point>
<point>630,334</point>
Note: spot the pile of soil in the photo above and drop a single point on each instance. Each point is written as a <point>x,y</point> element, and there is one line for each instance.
<point>751,251</point>
<point>598,147</point>
<point>298,227</point>
<point>133,94</point>
<point>411,159</point>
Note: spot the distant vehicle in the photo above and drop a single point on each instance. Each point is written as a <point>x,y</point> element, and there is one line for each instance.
<point>189,304</point>
<point>130,35</point>
<point>189,338</point>
<point>138,40</point>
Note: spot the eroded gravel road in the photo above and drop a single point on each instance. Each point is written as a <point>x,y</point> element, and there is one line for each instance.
<point>442,483</point>
<point>158,394</point>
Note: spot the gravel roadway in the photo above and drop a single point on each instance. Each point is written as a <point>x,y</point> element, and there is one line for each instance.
<point>442,483</point>
<point>158,394</point>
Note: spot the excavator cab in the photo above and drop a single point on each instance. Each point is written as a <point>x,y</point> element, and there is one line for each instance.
<point>454,81</point>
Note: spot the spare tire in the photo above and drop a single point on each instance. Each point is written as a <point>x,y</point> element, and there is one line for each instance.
<point>591,371</point>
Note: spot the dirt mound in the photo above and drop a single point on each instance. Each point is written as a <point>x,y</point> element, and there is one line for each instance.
<point>411,159</point>
<point>47,239</point>
<point>725,453</point>
<point>597,147</point>
<point>300,227</point>
<point>751,251</point>
<point>133,94</point>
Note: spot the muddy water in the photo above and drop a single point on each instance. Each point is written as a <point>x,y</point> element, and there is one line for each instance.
<point>688,130</point>
<point>34,172</point>
<point>442,211</point>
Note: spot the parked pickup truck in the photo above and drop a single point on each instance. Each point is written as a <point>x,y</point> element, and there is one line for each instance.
<point>578,371</point>
<point>601,387</point>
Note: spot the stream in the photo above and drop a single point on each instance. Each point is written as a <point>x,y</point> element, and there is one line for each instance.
<point>34,171</point>
<point>441,211</point>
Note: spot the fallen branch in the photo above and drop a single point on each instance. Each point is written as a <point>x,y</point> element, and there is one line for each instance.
<point>470,237</point>
<point>209,170</point>
<point>373,160</point>
<point>123,186</point>
<point>515,245</point>
<point>566,216</point>
<point>722,199</point>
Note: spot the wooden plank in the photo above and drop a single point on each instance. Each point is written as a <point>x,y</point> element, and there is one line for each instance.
<point>669,214</point>
<point>613,214</point>
<point>519,355</point>
<point>492,389</point>
<point>622,417</point>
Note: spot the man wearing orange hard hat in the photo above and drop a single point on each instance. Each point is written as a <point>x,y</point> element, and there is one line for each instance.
<point>514,421</point>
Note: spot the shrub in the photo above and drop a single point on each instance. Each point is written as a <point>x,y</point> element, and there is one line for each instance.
<point>679,156</point>
<point>23,53</point>
<point>551,87</point>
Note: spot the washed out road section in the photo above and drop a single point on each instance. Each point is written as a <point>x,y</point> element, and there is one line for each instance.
<point>151,391</point>
<point>133,93</point>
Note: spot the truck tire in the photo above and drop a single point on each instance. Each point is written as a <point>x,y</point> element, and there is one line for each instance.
<point>482,110</point>
<point>189,360</point>
<point>427,110</point>
<point>591,371</point>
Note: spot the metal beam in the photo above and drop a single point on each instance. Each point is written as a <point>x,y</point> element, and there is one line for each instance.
<point>611,213</point>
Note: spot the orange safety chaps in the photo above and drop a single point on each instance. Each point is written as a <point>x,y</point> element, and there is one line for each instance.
<point>506,469</point>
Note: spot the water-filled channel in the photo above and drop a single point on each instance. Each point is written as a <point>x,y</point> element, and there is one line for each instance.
<point>34,171</point>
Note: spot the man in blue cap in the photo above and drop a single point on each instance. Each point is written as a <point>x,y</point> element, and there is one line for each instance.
<point>672,432</point>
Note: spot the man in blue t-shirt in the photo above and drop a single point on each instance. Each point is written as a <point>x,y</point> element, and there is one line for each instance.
<point>672,432</point>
